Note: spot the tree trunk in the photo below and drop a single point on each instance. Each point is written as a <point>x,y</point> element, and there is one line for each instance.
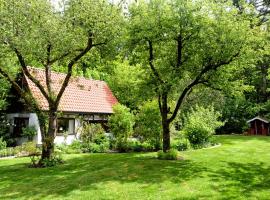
<point>166,135</point>
<point>165,122</point>
<point>48,139</point>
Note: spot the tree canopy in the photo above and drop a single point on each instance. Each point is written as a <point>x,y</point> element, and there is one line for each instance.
<point>185,44</point>
<point>39,35</point>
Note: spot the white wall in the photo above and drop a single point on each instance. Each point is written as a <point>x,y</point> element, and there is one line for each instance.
<point>33,121</point>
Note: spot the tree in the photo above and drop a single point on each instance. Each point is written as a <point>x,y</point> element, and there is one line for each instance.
<point>39,35</point>
<point>185,44</point>
<point>128,83</point>
<point>148,123</point>
<point>121,124</point>
<point>201,123</point>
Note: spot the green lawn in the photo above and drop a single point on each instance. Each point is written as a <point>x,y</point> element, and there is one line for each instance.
<point>239,169</point>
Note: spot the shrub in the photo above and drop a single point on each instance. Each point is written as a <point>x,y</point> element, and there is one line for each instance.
<point>90,132</point>
<point>121,125</point>
<point>137,146</point>
<point>95,148</point>
<point>172,154</point>
<point>74,147</point>
<point>7,152</point>
<point>3,144</point>
<point>29,132</point>
<point>26,149</point>
<point>61,148</point>
<point>93,139</point>
<point>56,159</point>
<point>200,125</point>
<point>148,123</point>
<point>181,144</point>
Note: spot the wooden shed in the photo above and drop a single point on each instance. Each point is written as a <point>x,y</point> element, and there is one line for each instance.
<point>258,126</point>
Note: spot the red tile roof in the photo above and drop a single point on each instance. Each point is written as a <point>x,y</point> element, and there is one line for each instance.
<point>81,95</point>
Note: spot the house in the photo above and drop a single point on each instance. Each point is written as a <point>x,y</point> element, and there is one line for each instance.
<point>258,126</point>
<point>83,100</point>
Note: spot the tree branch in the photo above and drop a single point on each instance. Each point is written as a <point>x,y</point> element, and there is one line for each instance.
<point>13,82</point>
<point>198,80</point>
<point>28,97</point>
<point>27,73</point>
<point>61,57</point>
<point>151,59</point>
<point>48,69</point>
<point>70,65</point>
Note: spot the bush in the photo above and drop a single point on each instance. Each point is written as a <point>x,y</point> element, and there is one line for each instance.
<point>137,146</point>
<point>95,148</point>
<point>29,132</point>
<point>148,124</point>
<point>121,124</point>
<point>181,144</point>
<point>7,152</point>
<point>61,148</point>
<point>172,154</point>
<point>74,147</point>
<point>93,139</point>
<point>26,149</point>
<point>91,132</point>
<point>56,159</point>
<point>3,144</point>
<point>200,125</point>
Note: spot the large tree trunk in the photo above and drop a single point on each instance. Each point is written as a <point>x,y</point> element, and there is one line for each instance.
<point>165,122</point>
<point>48,138</point>
<point>166,135</point>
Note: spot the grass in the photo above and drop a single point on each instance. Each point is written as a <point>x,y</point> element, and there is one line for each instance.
<point>238,169</point>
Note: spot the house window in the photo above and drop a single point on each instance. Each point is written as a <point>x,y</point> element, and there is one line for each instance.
<point>66,125</point>
<point>19,124</point>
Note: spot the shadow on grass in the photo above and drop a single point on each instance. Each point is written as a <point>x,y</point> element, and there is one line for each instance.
<point>86,172</point>
<point>242,178</point>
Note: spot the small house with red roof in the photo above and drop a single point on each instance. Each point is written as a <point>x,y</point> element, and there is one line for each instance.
<point>83,100</point>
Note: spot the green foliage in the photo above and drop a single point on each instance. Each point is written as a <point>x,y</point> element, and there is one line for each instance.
<point>29,132</point>
<point>95,148</point>
<point>7,152</point>
<point>121,124</point>
<point>28,148</point>
<point>74,148</point>
<point>137,146</point>
<point>91,132</point>
<point>171,154</point>
<point>38,34</point>
<point>181,144</point>
<point>55,159</point>
<point>4,125</point>
<point>4,89</point>
<point>185,44</point>
<point>148,123</point>
<point>93,139</point>
<point>128,83</point>
<point>3,144</point>
<point>201,124</point>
